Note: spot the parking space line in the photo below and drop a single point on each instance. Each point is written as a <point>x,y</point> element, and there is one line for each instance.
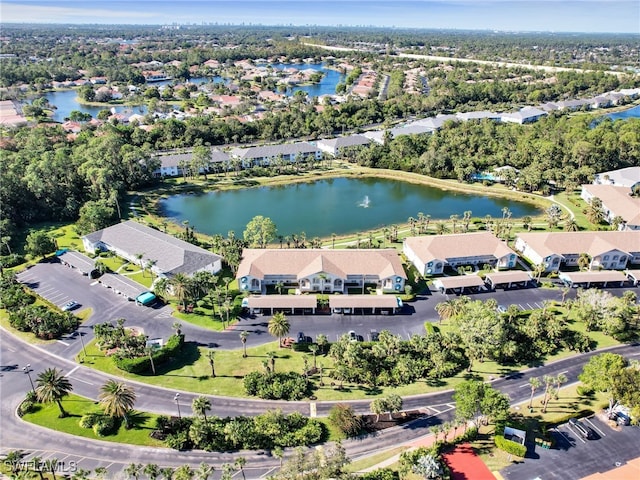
<point>434,409</point>
<point>64,343</point>
<point>576,434</point>
<point>537,305</point>
<point>530,307</point>
<point>72,370</point>
<point>563,435</point>
<point>595,428</point>
<point>525,385</point>
<point>451,406</point>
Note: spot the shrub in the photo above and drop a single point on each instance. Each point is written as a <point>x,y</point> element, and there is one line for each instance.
<point>12,260</point>
<point>179,440</point>
<point>276,386</point>
<point>89,420</point>
<point>27,406</point>
<point>105,425</point>
<point>143,364</point>
<point>344,419</point>
<point>510,446</point>
<point>381,474</point>
<point>584,391</point>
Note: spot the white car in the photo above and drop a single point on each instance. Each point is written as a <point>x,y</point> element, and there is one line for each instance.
<point>67,307</point>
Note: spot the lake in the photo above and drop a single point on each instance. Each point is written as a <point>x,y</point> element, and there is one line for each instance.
<point>335,205</point>
<point>633,112</point>
<point>327,85</point>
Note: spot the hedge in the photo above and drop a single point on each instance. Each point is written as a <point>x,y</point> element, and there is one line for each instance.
<point>510,446</point>
<point>143,364</point>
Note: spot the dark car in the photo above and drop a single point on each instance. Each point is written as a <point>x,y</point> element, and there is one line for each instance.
<point>374,335</point>
<point>301,337</point>
<point>620,418</point>
<point>582,429</point>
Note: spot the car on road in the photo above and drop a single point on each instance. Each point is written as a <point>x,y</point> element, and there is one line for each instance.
<point>620,418</point>
<point>71,305</point>
<point>374,335</point>
<point>302,337</point>
<point>501,309</point>
<point>584,430</point>
<point>352,336</point>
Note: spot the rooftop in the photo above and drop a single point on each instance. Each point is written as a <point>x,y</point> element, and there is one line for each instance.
<point>444,247</point>
<point>591,243</point>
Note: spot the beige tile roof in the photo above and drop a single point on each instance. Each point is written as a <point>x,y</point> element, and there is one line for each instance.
<point>304,262</point>
<point>594,276</point>
<point>443,247</point>
<point>592,243</point>
<point>459,281</point>
<point>509,277</point>
<point>618,201</point>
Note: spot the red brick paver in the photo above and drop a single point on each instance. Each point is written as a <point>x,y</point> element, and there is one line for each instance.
<point>465,464</point>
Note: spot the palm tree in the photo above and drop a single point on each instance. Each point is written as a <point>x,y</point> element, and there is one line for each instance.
<point>527,222</point>
<point>240,463</point>
<point>167,473</point>
<point>53,386</point>
<point>149,351</point>
<point>279,326</point>
<point>272,361</point>
<point>180,284</point>
<point>571,225</point>
<point>583,261</point>
<point>447,309</point>
<point>243,338</point>
<point>133,470</point>
<point>322,341</point>
<point>278,452</point>
<point>200,406</point>
<point>212,362</point>
<point>534,383</point>
<point>313,348</point>
<point>204,471</point>
<point>152,471</point>
<point>117,400</point>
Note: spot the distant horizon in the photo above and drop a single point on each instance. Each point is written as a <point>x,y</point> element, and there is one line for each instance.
<point>506,16</point>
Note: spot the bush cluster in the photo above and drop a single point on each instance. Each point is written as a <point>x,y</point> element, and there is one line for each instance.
<point>266,431</point>
<point>43,322</point>
<point>11,260</point>
<point>101,424</point>
<point>276,386</point>
<point>345,419</point>
<point>143,364</point>
<point>13,294</point>
<point>509,446</point>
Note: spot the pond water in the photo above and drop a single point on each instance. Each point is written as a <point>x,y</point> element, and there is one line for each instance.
<point>633,112</point>
<point>336,205</point>
<point>327,85</point>
<point>67,100</point>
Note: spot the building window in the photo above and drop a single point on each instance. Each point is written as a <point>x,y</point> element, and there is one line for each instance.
<point>623,259</point>
<point>556,261</point>
<point>438,266</point>
<point>606,257</point>
<point>615,257</point>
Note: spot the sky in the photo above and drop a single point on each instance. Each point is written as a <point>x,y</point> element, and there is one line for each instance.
<point>616,16</point>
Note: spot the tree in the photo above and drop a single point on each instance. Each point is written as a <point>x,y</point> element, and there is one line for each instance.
<point>378,406</point>
<point>279,326</point>
<point>133,470</point>
<point>200,406</point>
<point>39,244</point>
<point>393,404</point>
<point>204,471</point>
<point>534,383</point>
<point>584,260</point>
<point>117,400</point>
<point>554,214</point>
<point>243,338</point>
<point>260,231</point>
<point>600,371</point>
<point>53,386</point>
<point>211,357</point>
<point>152,471</point>
<point>240,463</point>
<point>180,284</point>
<point>595,212</point>
<point>345,419</point>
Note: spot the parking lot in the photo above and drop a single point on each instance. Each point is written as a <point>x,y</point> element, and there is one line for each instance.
<point>574,457</point>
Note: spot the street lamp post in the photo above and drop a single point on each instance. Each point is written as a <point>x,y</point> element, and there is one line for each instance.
<point>176,398</point>
<point>80,334</point>
<point>27,369</point>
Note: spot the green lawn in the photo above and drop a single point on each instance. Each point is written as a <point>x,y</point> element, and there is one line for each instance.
<point>375,459</point>
<point>47,415</point>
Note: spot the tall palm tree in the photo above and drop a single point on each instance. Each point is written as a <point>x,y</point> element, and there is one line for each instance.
<point>180,284</point>
<point>534,383</point>
<point>212,362</point>
<point>243,338</point>
<point>200,406</point>
<point>240,463</point>
<point>272,361</point>
<point>152,471</point>
<point>117,400</point>
<point>279,326</point>
<point>53,386</point>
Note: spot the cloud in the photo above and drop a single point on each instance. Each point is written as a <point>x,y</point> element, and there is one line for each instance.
<point>20,12</point>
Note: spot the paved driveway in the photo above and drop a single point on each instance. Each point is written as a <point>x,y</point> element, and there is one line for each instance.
<point>575,458</point>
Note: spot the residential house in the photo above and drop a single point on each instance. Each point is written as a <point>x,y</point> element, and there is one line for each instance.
<point>625,177</point>
<point>334,146</point>
<point>172,164</point>
<point>264,155</point>
<point>165,254</point>
<point>320,270</point>
<point>524,115</point>
<point>431,254</point>
<point>612,250</point>
<point>617,201</point>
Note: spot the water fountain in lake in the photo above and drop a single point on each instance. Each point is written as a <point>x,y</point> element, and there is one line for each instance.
<point>365,202</point>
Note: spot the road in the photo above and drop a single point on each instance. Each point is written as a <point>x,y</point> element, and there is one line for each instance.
<point>88,454</point>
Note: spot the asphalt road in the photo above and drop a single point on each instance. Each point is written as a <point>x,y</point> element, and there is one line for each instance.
<point>16,434</point>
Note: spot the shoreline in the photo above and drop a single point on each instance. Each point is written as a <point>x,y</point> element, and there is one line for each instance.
<point>148,201</point>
